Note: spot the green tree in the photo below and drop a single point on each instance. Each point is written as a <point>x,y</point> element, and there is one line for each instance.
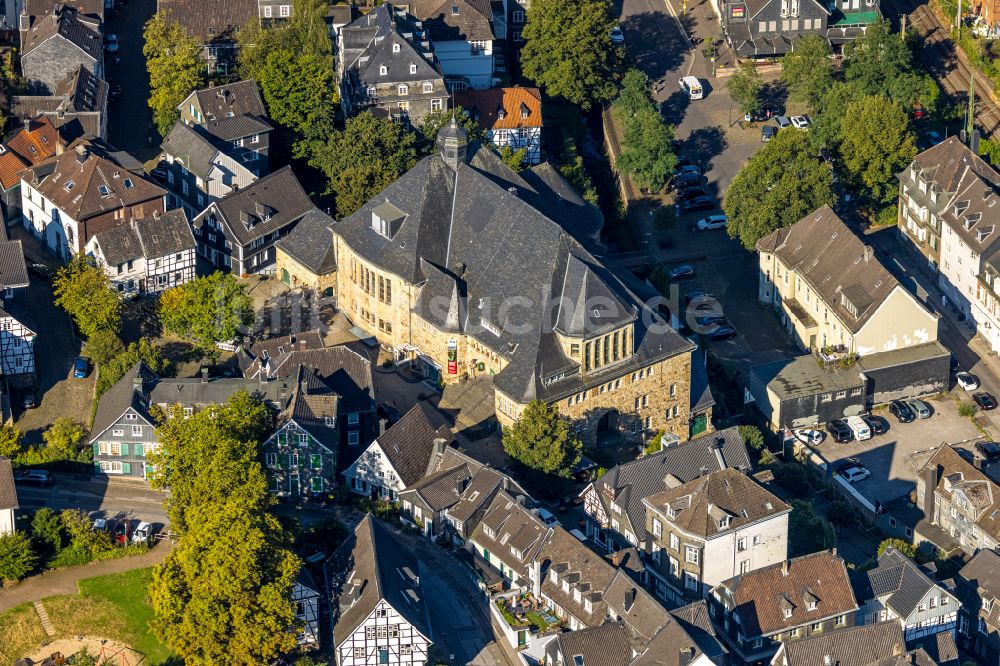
<point>103,346</point>
<point>880,63</point>
<point>877,144</point>
<point>84,291</point>
<point>905,548</point>
<point>10,442</point>
<point>115,369</point>
<point>752,437</point>
<point>826,127</point>
<point>299,92</point>
<point>807,71</point>
<point>64,440</point>
<point>434,121</point>
<point>647,155</point>
<point>794,478</point>
<point>744,86</point>
<point>780,185</point>
<point>568,50</point>
<point>16,556</point>
<point>634,95</point>
<point>304,33</point>
<point>47,531</point>
<point>173,60</point>
<point>363,159</point>
<point>809,532</point>
<point>513,158</point>
<point>543,441</point>
<point>206,310</point>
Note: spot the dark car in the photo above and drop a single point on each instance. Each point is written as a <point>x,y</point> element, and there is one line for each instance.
<point>985,400</point>
<point>768,132</point>
<point>758,116</point>
<point>35,477</point>
<point>847,463</point>
<point>840,431</point>
<point>695,296</point>
<point>954,363</point>
<point>685,180</point>
<point>692,192</point>
<point>901,411</point>
<point>80,368</point>
<point>877,424</point>
<point>699,203</point>
<point>711,320</point>
<point>681,272</point>
<point>723,332</point>
<point>990,451</point>
<point>965,454</point>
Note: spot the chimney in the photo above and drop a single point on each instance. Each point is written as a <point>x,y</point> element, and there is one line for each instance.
<point>827,660</point>
<point>784,568</point>
<point>869,253</point>
<point>717,449</point>
<point>439,445</point>
<point>382,425</point>
<point>630,599</point>
<point>137,383</point>
<point>81,153</point>
<point>520,499</point>
<point>204,375</point>
<point>930,485</point>
<point>686,656</point>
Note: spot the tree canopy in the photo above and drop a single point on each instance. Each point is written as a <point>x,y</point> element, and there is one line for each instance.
<point>299,92</point>
<point>207,310</point>
<point>173,60</point>
<point>65,439</point>
<point>780,185</point>
<point>434,121</point>
<point>744,86</point>
<point>568,50</point>
<point>647,153</point>
<point>807,71</point>
<point>363,159</point>
<point>876,145</point>
<point>880,63</point>
<point>84,291</point>
<point>809,532</point>
<point>543,441</point>
<point>17,559</point>
<point>115,368</point>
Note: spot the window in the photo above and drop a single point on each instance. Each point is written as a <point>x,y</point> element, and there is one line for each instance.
<point>841,620</point>
<point>352,438</point>
<point>428,87</point>
<point>675,543</point>
<point>118,432</point>
<point>352,418</point>
<point>403,89</point>
<point>359,652</point>
<point>316,461</point>
<point>518,17</point>
<point>316,484</point>
<point>691,554</point>
<point>383,70</point>
<point>657,528</point>
<point>267,14</point>
<point>128,183</point>
<point>413,68</point>
<point>303,439</point>
<point>741,543</point>
<point>815,626</point>
<point>690,580</point>
<point>137,431</point>
<point>285,10</point>
<point>271,460</point>
<point>436,104</point>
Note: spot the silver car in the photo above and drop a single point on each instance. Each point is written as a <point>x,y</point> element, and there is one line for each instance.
<point>919,408</point>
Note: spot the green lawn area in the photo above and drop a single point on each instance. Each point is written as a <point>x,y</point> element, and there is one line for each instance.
<point>114,606</point>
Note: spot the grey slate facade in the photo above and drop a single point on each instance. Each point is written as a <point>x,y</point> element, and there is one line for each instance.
<point>233,117</point>
<point>58,44</point>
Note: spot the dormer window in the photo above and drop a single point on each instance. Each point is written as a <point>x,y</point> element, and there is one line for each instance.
<point>413,68</point>
<point>565,586</point>
<point>454,10</point>
<point>69,185</point>
<point>724,522</point>
<point>104,190</point>
<point>395,48</point>
<point>383,70</point>
<point>553,576</point>
<point>984,233</point>
<point>588,606</point>
<point>129,184</point>
<point>960,208</point>
<point>810,606</point>
<point>502,113</point>
<point>788,613</point>
<point>576,595</point>
<point>671,512</point>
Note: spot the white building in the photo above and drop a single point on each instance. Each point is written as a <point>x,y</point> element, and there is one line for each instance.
<point>400,456</point>
<point>147,255</point>
<point>711,529</point>
<point>509,538</point>
<point>511,117</point>
<point>380,617</point>
<point>305,594</point>
<point>8,498</point>
<point>17,331</point>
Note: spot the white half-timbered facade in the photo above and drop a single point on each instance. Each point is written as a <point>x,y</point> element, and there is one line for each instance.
<point>17,344</point>
<point>380,618</point>
<point>148,255</point>
<point>306,597</point>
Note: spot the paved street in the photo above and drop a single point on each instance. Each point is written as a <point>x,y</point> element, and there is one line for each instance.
<point>100,498</point>
<point>130,120</point>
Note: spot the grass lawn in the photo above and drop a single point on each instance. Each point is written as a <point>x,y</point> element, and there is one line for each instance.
<point>114,606</point>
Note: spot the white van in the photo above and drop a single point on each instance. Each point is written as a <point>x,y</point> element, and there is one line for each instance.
<point>692,86</point>
<point>859,427</point>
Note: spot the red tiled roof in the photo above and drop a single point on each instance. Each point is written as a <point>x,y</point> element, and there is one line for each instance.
<point>36,142</point>
<point>10,166</point>
<point>513,101</point>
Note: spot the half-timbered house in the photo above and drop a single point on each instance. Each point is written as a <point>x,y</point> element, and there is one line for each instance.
<point>305,595</point>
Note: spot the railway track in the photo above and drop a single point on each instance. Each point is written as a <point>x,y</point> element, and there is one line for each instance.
<point>946,63</point>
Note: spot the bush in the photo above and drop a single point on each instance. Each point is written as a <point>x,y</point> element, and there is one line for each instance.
<point>17,559</point>
<point>843,514</point>
<point>655,444</point>
<point>967,408</point>
<point>808,532</point>
<point>794,478</point>
<point>47,532</point>
<point>904,547</point>
<point>886,216</point>
<point>752,436</point>
<point>103,346</point>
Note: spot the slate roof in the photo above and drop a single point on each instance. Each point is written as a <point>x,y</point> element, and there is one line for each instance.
<point>982,576</point>
<point>237,127</point>
<point>271,203</point>
<point>311,243</point>
<point>583,568</point>
<point>149,238</point>
<point>312,402</point>
<point>476,237</point>
<point>630,483</point>
<point>231,100</point>
<point>75,178</point>
<point>210,21</point>
<point>472,22</point>
<point>480,489</point>
<point>8,492</point>
<point>371,567</point>
<point>940,648</point>
<point>631,603</point>
<point>276,350</point>
<point>701,504</point>
<point>484,107</point>
<point>760,596</point>
<point>193,150</point>
<point>341,368</point>
<point>408,443</point>
<point>198,392</point>
<point>89,8</point>
<point>83,91</point>
<point>67,24</point>
<point>13,269</point>
<point>835,263</point>
<point>439,490</point>
<point>978,488</point>
<point>122,396</point>
<point>897,581</point>
<point>516,527</point>
<point>603,645</point>
<point>851,646</point>
<point>684,638</point>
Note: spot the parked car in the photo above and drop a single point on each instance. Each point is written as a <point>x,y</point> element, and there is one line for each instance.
<point>28,401</point>
<point>953,365</point>
<point>901,411</point>
<point>840,431</point>
<point>713,222</point>
<point>919,408</point>
<point>35,477</point>
<point>878,425</point>
<point>855,474</point>
<point>103,525</point>
<point>967,381</point>
<point>768,132</point>
<point>547,517</point>
<point>680,181</point>
<point>144,532</point>
<point>721,332</point>
<point>990,451</point>
<point>696,297</point>
<point>782,122</point>
<point>933,138</point>
<point>699,203</point>
<point>80,368</point>
<point>985,400</point>
<point>712,320</point>
<point>682,272</point>
<point>859,428</point>
<point>965,454</point>
<point>810,436</point>
<point>841,466</point>
<point>111,43</point>
<point>692,192</point>
<point>617,36</point>
<point>687,168</point>
<point>800,122</point>
<point>122,533</point>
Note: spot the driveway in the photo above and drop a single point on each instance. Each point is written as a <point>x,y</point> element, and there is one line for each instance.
<point>130,119</point>
<point>894,458</point>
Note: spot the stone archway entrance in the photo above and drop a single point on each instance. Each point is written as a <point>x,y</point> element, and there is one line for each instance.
<point>608,422</point>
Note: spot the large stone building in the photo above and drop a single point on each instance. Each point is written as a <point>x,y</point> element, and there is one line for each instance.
<point>834,294</point>
<point>466,269</point>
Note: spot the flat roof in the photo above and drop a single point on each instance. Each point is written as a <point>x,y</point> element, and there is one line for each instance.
<point>903,356</point>
<point>803,375</point>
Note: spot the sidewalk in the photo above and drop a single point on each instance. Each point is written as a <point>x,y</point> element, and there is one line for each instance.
<point>64,581</point>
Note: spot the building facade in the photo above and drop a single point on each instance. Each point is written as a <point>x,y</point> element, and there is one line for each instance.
<point>511,117</point>
<point>57,44</point>
<point>979,613</point>
<point>233,117</point>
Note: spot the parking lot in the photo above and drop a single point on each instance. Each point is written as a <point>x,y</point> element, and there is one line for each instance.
<point>893,458</point>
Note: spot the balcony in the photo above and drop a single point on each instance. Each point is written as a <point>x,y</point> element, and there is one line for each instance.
<point>836,355</point>
<point>527,624</point>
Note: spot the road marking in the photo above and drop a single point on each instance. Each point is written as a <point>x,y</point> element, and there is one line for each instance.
<point>680,26</point>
